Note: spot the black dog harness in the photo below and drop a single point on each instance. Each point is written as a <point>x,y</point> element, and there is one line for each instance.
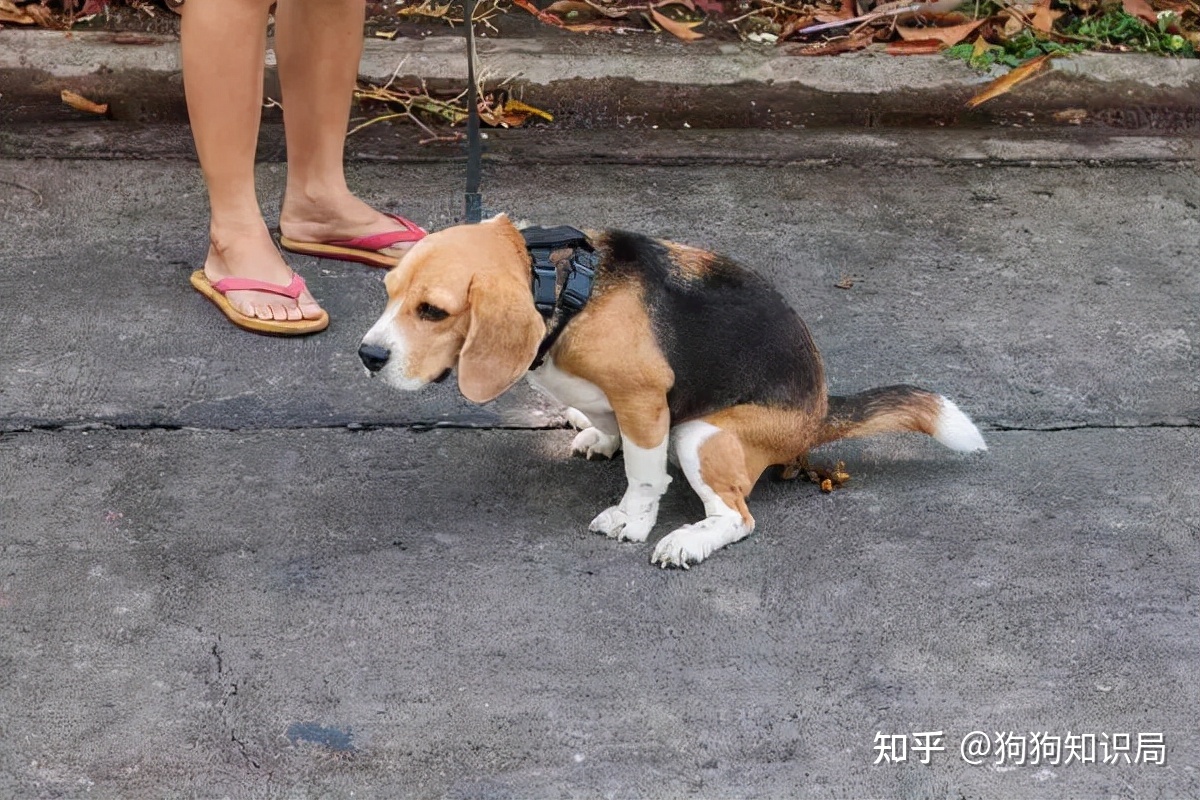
<point>559,306</point>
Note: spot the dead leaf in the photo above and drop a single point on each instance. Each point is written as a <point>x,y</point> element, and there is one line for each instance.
<point>519,107</point>
<point>847,282</point>
<point>950,35</point>
<point>1005,83</point>
<point>1043,16</point>
<point>913,47</point>
<point>1140,9</point>
<point>794,24</point>
<point>10,13</point>
<point>681,30</point>
<point>979,48</point>
<point>1180,7</point>
<point>1014,23</point>
<point>81,103</point>
<point>549,19</point>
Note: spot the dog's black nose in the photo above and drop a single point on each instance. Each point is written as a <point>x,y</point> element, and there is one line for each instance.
<point>373,356</point>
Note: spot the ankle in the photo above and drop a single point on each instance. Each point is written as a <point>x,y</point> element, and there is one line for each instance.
<point>223,238</point>
<point>314,198</point>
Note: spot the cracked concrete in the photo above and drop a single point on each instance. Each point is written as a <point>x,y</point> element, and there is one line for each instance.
<point>233,566</point>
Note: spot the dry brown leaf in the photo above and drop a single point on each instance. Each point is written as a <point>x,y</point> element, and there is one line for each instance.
<point>516,106</point>
<point>1180,7</point>
<point>680,30</point>
<point>1043,16</point>
<point>1014,23</point>
<point>9,12</point>
<point>979,48</point>
<point>1140,9</point>
<point>81,103</point>
<point>794,24</point>
<point>1005,83</point>
<point>950,35</point>
<point>549,19</point>
<point>916,47</point>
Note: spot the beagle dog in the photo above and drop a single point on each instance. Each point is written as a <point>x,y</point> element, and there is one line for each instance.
<point>677,349</point>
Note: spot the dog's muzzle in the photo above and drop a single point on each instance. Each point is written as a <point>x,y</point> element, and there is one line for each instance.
<point>373,356</point>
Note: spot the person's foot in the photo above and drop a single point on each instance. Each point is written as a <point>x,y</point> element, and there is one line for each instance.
<point>251,253</point>
<point>336,218</point>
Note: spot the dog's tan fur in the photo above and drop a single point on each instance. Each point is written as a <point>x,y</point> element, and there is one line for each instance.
<point>479,276</point>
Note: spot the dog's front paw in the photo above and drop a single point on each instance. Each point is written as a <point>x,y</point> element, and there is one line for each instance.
<point>681,548</point>
<point>618,524</point>
<point>693,543</point>
<point>591,442</point>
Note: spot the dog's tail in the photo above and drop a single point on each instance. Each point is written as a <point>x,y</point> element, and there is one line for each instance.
<point>892,409</point>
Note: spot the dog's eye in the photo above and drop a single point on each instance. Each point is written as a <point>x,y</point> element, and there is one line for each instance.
<point>431,313</point>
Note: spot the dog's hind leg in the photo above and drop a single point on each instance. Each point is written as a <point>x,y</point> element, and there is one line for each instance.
<point>714,462</point>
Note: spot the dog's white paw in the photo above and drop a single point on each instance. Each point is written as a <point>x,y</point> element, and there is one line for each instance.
<point>591,442</point>
<point>615,523</point>
<point>577,419</point>
<point>693,543</point>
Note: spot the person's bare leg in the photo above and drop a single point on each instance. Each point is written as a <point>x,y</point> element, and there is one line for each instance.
<point>222,44</point>
<point>318,44</point>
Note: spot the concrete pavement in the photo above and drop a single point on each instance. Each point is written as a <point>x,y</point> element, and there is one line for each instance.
<point>232,566</point>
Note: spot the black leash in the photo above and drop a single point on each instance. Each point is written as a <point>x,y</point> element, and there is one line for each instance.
<point>474,200</point>
<point>558,307</point>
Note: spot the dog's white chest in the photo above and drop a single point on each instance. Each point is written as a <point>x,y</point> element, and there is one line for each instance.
<point>569,390</point>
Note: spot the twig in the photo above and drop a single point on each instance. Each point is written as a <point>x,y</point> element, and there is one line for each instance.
<point>887,10</point>
<point>782,7</point>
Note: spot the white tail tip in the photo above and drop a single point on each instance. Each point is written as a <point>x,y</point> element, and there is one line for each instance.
<point>955,429</point>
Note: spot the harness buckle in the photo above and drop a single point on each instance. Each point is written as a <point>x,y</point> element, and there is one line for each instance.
<point>578,286</point>
<point>544,279</point>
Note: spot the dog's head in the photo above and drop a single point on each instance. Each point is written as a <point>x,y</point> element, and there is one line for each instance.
<point>460,297</point>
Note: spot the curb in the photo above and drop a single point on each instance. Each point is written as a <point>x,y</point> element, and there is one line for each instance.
<point>617,82</point>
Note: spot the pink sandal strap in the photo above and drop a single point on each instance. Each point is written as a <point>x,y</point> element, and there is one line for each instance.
<point>292,290</point>
<point>381,241</point>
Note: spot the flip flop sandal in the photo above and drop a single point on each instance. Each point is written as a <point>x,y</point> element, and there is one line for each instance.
<point>361,249</point>
<point>216,293</point>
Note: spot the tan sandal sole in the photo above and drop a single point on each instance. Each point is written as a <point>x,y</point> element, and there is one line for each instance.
<point>298,327</point>
<point>368,257</point>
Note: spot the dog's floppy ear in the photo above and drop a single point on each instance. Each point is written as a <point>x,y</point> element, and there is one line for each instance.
<point>503,338</point>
